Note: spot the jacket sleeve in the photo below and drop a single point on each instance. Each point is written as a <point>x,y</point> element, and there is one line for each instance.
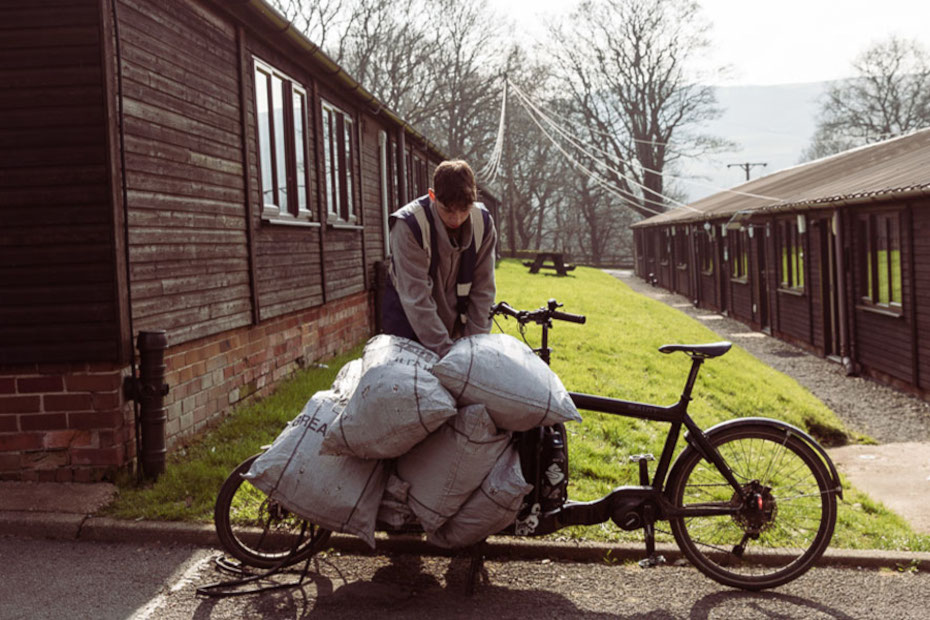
<point>410,274</point>
<point>483,288</point>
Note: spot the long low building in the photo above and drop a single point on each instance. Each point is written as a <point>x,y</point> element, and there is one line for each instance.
<point>832,255</point>
<point>195,169</point>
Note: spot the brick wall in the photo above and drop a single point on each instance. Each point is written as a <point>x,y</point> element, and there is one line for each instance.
<point>209,375</point>
<point>70,422</point>
<point>63,422</point>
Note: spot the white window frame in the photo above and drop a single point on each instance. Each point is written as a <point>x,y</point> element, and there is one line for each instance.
<point>338,164</point>
<point>286,146</point>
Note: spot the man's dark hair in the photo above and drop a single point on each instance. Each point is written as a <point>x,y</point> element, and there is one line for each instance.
<point>454,184</point>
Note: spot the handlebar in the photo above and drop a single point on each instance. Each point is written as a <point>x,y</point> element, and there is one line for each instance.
<point>541,316</point>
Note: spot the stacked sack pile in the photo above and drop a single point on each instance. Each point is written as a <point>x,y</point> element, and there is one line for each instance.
<point>406,437</point>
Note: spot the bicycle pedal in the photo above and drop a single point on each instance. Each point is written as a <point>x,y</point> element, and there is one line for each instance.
<point>641,457</point>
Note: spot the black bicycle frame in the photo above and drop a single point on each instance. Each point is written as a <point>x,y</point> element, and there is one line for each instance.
<point>646,501</point>
<point>676,415</point>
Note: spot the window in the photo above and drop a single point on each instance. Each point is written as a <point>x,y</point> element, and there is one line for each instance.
<point>706,248</point>
<point>739,257</point>
<point>338,163</point>
<point>880,259</point>
<point>791,255</point>
<point>281,116</point>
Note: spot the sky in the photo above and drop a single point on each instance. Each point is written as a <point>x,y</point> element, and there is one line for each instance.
<point>780,42</point>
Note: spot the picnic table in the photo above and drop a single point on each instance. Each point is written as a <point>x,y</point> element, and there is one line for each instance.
<point>549,260</point>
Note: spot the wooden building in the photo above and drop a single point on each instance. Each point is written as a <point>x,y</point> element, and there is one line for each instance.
<point>193,166</point>
<point>832,255</point>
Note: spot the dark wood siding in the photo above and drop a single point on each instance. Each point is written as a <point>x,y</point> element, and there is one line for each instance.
<point>740,294</point>
<point>188,247</point>
<point>921,237</point>
<point>817,284</point>
<point>58,260</point>
<point>793,314</point>
<point>709,291</point>
<point>373,215</point>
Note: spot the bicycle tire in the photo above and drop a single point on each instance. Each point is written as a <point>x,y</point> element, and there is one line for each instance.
<point>256,530</point>
<point>779,534</point>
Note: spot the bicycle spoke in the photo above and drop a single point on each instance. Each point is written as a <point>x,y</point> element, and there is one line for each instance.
<point>763,545</point>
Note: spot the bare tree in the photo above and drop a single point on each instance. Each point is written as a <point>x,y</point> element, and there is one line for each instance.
<point>470,55</point>
<point>428,60</point>
<point>623,64</point>
<point>889,96</point>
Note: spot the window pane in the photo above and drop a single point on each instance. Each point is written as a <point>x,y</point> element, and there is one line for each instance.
<point>799,270</point>
<point>348,168</point>
<point>277,102</point>
<point>266,160</point>
<point>894,255</point>
<point>300,148</point>
<point>881,242</point>
<point>328,159</point>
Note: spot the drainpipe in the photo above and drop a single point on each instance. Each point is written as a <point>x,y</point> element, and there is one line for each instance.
<point>149,390</point>
<point>841,292</point>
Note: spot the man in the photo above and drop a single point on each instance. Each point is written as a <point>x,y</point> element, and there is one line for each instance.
<point>441,284</point>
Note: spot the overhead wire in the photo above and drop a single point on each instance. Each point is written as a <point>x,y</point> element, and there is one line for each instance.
<point>637,164</point>
<point>492,168</point>
<point>618,193</point>
<point>527,103</point>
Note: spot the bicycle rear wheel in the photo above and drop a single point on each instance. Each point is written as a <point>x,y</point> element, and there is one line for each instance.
<point>781,528</point>
<point>258,531</point>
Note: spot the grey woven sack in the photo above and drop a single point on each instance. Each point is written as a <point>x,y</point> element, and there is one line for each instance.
<point>519,390</point>
<point>396,350</point>
<point>445,469</point>
<point>347,380</point>
<point>394,407</point>
<point>394,511</point>
<point>490,509</point>
<point>339,493</point>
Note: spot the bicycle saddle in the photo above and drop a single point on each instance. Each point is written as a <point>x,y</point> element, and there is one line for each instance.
<point>703,351</point>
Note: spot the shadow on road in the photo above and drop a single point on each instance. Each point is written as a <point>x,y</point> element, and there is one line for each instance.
<point>408,586</point>
<point>760,605</point>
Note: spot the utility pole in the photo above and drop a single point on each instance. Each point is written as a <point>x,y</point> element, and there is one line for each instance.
<point>746,166</point>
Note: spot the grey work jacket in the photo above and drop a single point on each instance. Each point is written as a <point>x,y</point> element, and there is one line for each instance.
<point>431,306</point>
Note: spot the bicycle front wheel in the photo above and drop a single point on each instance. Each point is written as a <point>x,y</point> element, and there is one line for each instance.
<point>258,531</point>
<point>785,517</point>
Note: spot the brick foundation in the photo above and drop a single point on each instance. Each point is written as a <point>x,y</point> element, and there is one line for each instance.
<point>70,422</point>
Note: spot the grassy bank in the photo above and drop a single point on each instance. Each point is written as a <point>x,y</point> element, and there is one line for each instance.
<point>613,354</point>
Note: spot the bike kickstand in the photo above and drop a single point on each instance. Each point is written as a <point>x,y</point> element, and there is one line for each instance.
<point>652,559</point>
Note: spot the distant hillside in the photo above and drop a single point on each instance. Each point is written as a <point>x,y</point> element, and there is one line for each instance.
<point>771,124</point>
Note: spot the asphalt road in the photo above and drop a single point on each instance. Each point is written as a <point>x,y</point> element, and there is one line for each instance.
<point>72,579</point>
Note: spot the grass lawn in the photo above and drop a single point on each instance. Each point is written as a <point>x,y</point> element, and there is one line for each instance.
<point>614,354</point>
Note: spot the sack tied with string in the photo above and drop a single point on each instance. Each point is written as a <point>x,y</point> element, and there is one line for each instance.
<point>340,493</point>
<point>446,468</point>
<point>519,390</point>
<point>490,509</point>
<point>395,405</point>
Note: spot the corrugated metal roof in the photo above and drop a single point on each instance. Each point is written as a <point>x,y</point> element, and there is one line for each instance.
<point>898,167</point>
